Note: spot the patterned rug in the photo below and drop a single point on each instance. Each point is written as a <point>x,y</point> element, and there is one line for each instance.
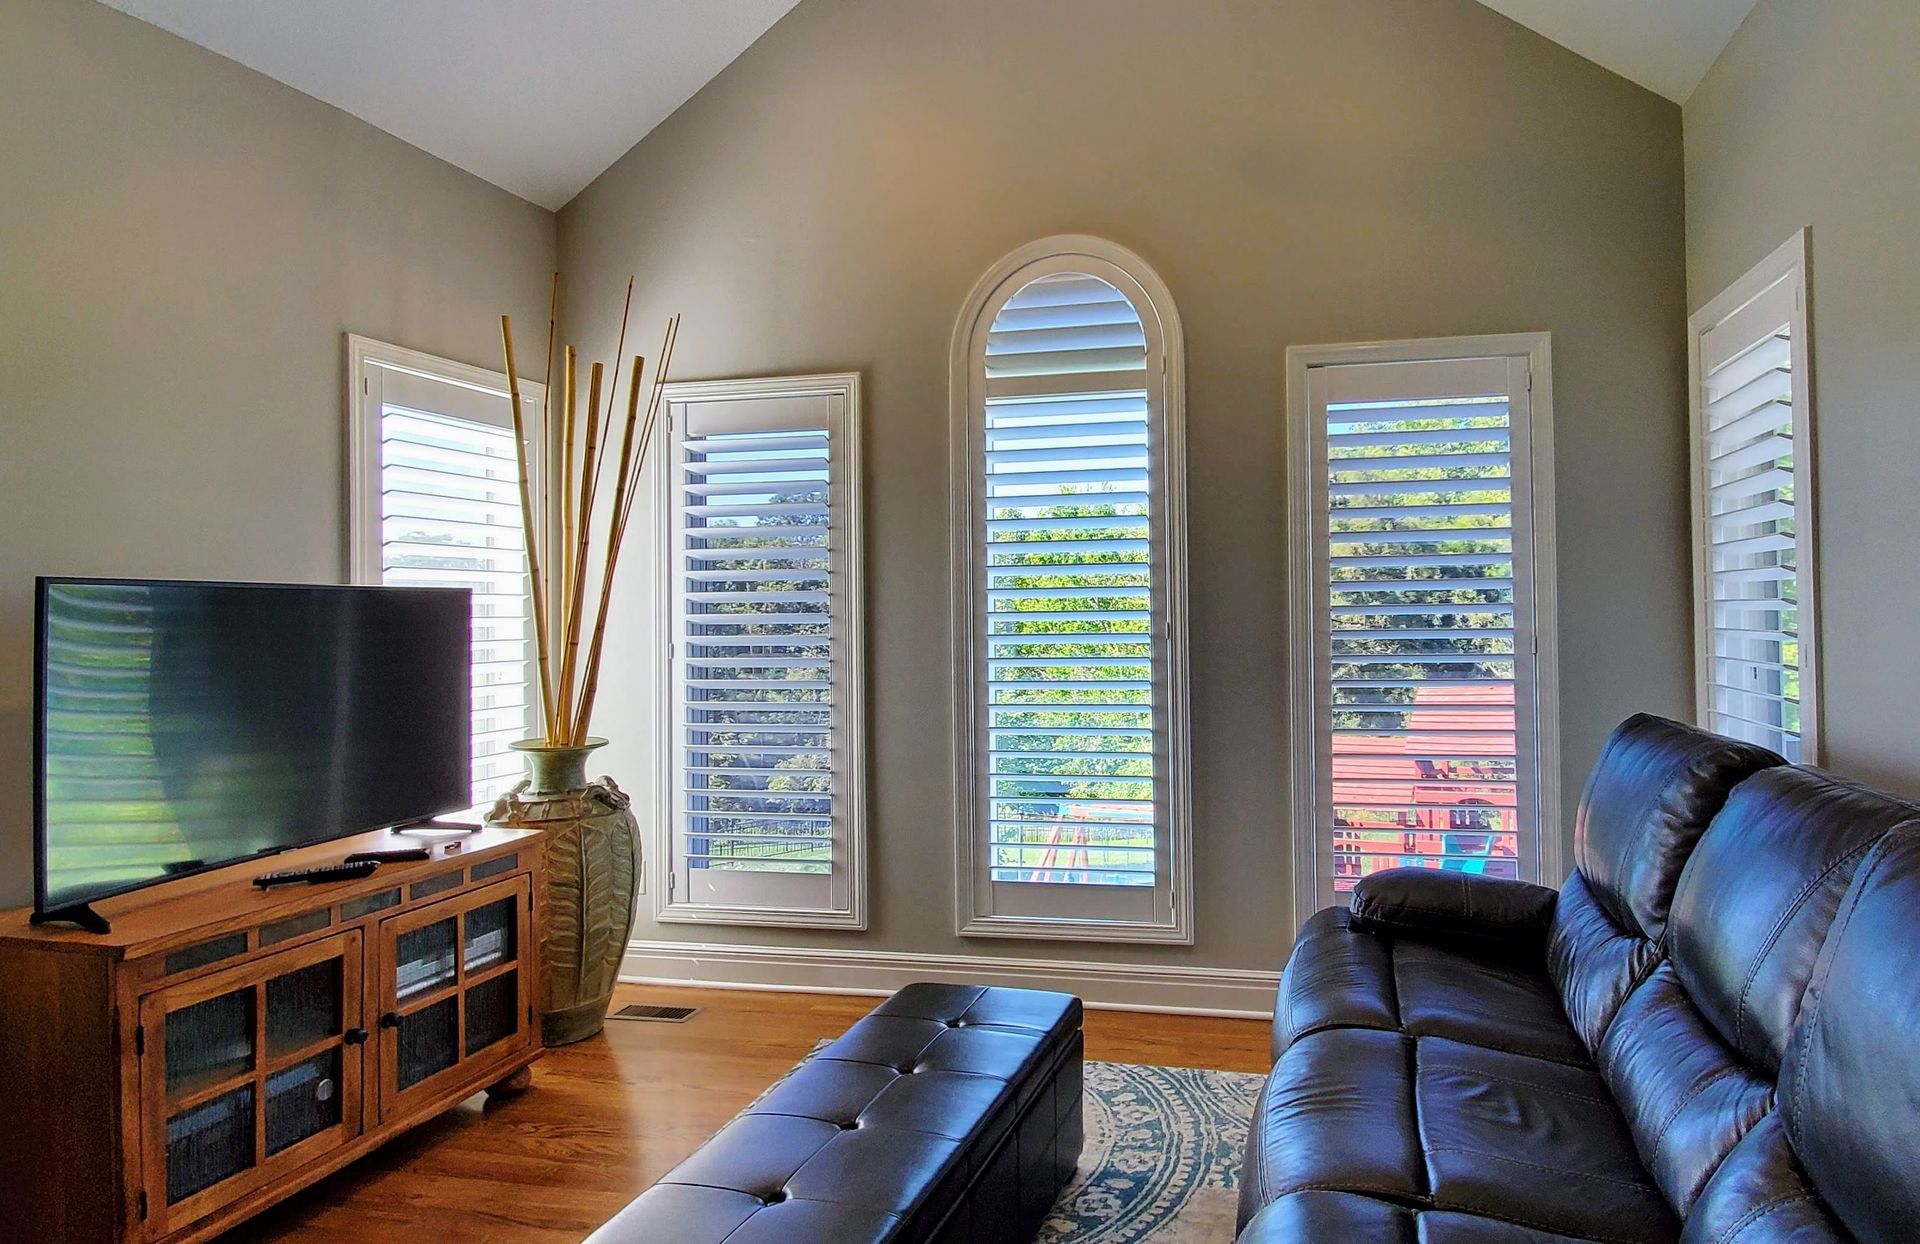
<point>1162,1160</point>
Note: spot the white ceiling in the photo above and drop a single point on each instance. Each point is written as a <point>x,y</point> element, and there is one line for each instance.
<point>1666,46</point>
<point>540,96</point>
<point>536,96</point>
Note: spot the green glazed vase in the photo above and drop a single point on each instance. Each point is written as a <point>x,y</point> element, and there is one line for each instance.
<point>593,867</point>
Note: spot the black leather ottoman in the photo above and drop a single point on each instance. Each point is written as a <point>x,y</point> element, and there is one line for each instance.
<point>951,1114</point>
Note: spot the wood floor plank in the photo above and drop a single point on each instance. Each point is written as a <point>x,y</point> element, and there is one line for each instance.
<point>608,1116</point>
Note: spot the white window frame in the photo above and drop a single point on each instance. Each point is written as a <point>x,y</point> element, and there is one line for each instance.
<point>1789,264</point>
<point>975,914</point>
<point>1534,353</point>
<point>848,908</point>
<point>485,399</point>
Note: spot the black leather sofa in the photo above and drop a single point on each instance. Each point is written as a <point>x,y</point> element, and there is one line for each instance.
<point>950,1115</point>
<point>1710,1034</point>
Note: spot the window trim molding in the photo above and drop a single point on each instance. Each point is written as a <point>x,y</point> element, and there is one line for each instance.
<point>1791,261</point>
<point>1537,349</point>
<point>966,389</point>
<point>667,908</point>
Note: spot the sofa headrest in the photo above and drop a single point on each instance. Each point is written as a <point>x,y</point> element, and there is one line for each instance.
<point>1759,893</point>
<point>1655,787</point>
<point>1850,1089</point>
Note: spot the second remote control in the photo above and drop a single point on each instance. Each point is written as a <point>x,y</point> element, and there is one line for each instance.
<point>395,856</point>
<point>315,876</point>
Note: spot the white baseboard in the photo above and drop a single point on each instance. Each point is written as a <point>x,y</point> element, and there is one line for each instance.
<point>1238,992</point>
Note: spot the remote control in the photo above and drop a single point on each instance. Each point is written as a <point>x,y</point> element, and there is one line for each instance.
<point>316,876</point>
<point>391,857</point>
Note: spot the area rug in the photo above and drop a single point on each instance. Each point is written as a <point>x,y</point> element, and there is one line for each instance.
<point>1162,1159</point>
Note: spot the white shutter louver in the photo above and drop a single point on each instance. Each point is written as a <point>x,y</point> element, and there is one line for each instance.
<point>450,517</point>
<point>763,688</point>
<point>1754,609</point>
<point>1073,718</point>
<point>1423,729</point>
<point>1068,589</point>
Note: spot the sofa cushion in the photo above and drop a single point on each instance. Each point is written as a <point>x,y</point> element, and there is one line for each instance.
<point>1341,977</point>
<point>1489,1000</point>
<point>1325,1217</point>
<point>1687,1096</point>
<point>1534,1141</point>
<point>1759,894</point>
<point>1335,978</point>
<point>1654,789</point>
<point>1337,1112</point>
<point>1438,1124</point>
<point>1303,1217</point>
<point>1593,961</point>
<point>1850,1086</point>
<point>1760,1195</point>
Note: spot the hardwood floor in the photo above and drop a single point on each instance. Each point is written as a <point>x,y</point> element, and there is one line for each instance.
<point>607,1117</point>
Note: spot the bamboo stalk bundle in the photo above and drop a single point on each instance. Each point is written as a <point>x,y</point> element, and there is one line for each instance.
<point>567,654</point>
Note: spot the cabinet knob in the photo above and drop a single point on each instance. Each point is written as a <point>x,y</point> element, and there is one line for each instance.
<point>390,1020</point>
<point>356,1036</point>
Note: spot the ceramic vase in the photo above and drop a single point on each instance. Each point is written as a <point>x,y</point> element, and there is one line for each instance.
<point>593,869</point>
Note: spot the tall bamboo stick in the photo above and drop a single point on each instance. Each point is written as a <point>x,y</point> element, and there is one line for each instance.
<point>570,380</point>
<point>590,686</point>
<point>575,587</point>
<point>546,377</point>
<point>627,486</point>
<point>527,531</point>
<point>619,351</point>
<point>653,414</point>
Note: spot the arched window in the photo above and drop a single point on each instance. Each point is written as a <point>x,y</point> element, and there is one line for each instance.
<point>1070,600</point>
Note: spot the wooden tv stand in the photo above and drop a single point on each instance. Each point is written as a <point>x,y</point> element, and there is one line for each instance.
<point>224,1046</point>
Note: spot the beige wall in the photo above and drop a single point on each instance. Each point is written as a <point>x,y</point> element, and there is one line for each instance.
<point>1303,172</point>
<point>1812,117</point>
<point>182,244</point>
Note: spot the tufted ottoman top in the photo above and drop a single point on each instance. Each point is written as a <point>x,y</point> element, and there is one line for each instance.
<point>876,1137</point>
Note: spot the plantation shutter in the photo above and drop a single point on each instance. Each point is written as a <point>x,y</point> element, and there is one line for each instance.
<point>448,515</point>
<point>765,784</point>
<point>1423,723</point>
<point>1753,488</point>
<point>1073,717</point>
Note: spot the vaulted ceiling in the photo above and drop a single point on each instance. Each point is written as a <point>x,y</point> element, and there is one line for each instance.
<point>535,96</point>
<point>1666,46</point>
<point>540,96</point>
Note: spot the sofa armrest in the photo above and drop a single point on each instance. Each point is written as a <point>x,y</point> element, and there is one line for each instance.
<point>1433,905</point>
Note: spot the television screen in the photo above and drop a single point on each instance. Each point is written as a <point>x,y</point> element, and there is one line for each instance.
<point>180,726</point>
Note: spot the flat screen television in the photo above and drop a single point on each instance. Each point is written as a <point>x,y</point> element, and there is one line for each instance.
<point>182,726</point>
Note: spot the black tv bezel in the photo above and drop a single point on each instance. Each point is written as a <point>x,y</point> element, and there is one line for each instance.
<point>41,584</point>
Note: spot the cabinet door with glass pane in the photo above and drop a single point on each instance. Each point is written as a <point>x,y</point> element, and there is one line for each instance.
<point>456,996</point>
<point>247,1074</point>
